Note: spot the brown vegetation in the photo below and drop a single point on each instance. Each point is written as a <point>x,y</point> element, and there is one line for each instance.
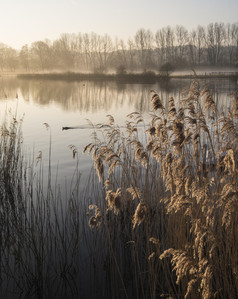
<point>162,220</point>
<point>171,200</point>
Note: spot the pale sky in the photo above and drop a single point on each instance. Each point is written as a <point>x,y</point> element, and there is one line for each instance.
<point>25,21</point>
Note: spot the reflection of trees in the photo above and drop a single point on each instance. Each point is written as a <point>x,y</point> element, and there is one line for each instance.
<point>84,96</point>
<point>8,88</point>
<point>94,96</point>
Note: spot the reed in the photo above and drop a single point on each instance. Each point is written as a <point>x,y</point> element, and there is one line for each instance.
<point>41,230</point>
<point>157,218</point>
<point>169,209</point>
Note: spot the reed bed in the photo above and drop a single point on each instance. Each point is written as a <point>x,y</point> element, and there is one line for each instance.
<point>41,227</point>
<point>158,217</point>
<point>168,216</point>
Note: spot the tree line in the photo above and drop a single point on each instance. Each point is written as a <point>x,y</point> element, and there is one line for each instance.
<point>215,44</point>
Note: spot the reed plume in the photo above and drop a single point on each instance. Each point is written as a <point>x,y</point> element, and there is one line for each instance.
<point>176,195</point>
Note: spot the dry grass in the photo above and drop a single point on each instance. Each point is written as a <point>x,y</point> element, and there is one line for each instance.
<point>171,194</point>
<point>161,221</point>
<point>41,233</point>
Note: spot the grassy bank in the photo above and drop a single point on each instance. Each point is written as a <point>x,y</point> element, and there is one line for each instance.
<point>146,77</point>
<point>158,217</point>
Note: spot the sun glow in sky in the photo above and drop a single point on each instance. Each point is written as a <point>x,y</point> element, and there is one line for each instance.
<point>25,21</point>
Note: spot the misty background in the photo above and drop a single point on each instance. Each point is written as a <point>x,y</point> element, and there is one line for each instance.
<point>212,45</point>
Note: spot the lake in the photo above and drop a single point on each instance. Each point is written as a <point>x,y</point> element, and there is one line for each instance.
<point>49,246</point>
<point>60,104</point>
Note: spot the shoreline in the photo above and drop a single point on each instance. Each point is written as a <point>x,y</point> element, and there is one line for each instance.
<point>135,77</point>
<point>146,77</point>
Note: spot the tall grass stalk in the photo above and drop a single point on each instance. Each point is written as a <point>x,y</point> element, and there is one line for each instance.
<point>41,229</point>
<point>168,218</point>
<point>158,217</point>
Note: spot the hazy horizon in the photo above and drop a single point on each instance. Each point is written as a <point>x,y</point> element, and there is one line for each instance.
<point>24,22</point>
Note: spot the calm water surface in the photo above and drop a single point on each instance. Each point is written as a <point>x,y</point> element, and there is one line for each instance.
<point>61,104</point>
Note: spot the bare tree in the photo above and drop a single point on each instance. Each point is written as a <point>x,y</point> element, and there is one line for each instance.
<point>169,38</point>
<point>214,38</point>
<point>160,40</point>
<point>24,57</point>
<point>131,51</point>
<point>197,45</point>
<point>236,41</point>
<point>200,43</point>
<point>42,53</point>
<point>182,39</point>
<point>231,42</point>
<point>91,49</point>
<point>64,51</point>
<point>105,51</point>
<point>11,59</point>
<point>3,49</point>
<point>86,50</point>
<point>192,48</point>
<point>121,52</point>
<point>215,44</point>
<point>79,57</point>
<point>149,45</point>
<point>140,45</point>
<point>144,43</point>
<point>95,51</point>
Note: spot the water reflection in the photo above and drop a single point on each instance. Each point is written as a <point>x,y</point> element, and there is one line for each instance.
<point>61,104</point>
<point>93,96</point>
